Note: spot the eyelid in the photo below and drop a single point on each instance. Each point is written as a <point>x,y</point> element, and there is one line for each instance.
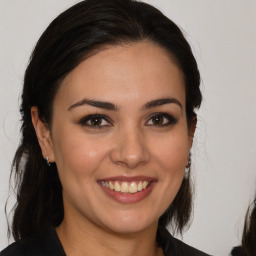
<point>83,121</point>
<point>171,119</point>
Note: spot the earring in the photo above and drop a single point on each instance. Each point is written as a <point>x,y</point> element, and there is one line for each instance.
<point>47,161</point>
<point>187,169</point>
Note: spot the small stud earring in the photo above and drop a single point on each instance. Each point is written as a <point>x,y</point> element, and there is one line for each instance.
<point>47,161</point>
<point>187,169</point>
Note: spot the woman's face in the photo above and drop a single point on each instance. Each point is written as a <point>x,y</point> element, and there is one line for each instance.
<point>119,137</point>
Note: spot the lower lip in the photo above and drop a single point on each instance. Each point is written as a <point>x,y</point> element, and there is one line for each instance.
<point>129,197</point>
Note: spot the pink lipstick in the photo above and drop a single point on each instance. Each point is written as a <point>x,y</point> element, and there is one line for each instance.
<point>127,189</point>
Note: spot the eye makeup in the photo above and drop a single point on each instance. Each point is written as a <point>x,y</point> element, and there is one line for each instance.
<point>99,121</point>
<point>95,121</point>
<point>161,119</point>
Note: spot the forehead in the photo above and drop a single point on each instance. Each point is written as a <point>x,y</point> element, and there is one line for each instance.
<point>124,73</point>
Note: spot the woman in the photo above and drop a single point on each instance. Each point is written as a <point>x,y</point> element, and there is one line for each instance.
<point>248,247</point>
<point>107,126</point>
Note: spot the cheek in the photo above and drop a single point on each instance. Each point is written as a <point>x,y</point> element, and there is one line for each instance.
<point>172,153</point>
<point>77,155</point>
<point>171,157</point>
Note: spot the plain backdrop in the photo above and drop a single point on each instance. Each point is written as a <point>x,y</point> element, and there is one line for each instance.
<point>222,34</point>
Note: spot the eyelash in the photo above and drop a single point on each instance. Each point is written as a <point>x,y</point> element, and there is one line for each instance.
<point>84,121</point>
<point>171,120</point>
<point>166,118</point>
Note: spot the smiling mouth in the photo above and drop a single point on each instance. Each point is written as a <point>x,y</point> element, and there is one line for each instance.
<point>126,187</point>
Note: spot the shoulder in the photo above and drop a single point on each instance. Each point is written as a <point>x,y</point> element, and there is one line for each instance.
<point>173,246</point>
<point>44,245</point>
<point>20,248</point>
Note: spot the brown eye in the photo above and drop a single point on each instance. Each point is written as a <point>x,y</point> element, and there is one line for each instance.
<point>95,121</point>
<point>161,119</point>
<point>157,120</point>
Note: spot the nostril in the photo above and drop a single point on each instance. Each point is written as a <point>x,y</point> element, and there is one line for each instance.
<point>130,148</point>
<point>129,157</point>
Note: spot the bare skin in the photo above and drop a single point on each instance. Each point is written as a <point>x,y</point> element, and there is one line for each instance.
<point>119,116</point>
<point>108,243</point>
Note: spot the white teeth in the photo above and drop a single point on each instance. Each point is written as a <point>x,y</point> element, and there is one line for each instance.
<point>117,186</point>
<point>125,187</point>
<point>145,184</point>
<point>133,187</point>
<point>140,186</point>
<point>111,186</point>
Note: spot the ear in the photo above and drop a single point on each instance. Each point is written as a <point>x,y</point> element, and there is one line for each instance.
<point>43,135</point>
<point>191,131</point>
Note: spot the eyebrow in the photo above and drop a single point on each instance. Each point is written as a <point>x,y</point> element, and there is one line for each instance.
<point>160,102</point>
<point>113,107</point>
<point>94,103</point>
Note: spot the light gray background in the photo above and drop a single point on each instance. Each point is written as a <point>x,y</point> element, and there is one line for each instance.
<point>223,37</point>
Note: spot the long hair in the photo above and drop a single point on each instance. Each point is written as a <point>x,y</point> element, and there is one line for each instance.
<point>74,35</point>
<point>249,234</point>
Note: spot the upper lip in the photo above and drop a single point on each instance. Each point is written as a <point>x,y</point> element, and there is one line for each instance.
<point>128,179</point>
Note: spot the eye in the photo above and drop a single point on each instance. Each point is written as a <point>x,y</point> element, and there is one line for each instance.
<point>161,119</point>
<point>95,121</point>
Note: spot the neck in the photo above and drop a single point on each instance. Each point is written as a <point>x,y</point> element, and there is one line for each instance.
<point>87,238</point>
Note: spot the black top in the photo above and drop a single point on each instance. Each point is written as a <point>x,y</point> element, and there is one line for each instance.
<point>49,245</point>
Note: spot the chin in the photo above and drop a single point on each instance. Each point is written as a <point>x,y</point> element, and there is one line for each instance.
<point>130,224</point>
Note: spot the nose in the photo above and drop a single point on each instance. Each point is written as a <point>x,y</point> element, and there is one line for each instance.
<point>130,149</point>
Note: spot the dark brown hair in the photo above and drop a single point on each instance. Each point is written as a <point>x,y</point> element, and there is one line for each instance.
<point>74,35</point>
<point>248,247</point>
<point>249,234</point>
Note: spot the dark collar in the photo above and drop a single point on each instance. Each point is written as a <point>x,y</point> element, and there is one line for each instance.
<point>49,244</point>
